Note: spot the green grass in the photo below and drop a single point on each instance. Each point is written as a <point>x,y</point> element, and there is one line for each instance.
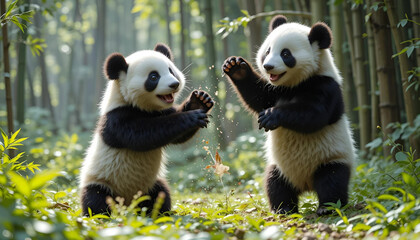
<point>38,200</point>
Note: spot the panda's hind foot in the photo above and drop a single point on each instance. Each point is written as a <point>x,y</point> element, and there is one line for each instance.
<point>236,68</point>
<point>321,211</point>
<point>200,100</point>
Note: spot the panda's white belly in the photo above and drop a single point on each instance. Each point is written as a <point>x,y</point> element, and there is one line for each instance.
<point>124,171</point>
<point>298,155</point>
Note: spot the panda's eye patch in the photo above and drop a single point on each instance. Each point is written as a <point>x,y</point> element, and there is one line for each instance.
<point>154,76</point>
<point>288,58</point>
<point>286,53</point>
<point>152,81</point>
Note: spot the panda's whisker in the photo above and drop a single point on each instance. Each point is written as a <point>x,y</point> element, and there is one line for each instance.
<point>187,69</point>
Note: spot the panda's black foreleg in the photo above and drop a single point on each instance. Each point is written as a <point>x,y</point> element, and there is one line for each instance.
<point>161,186</point>
<point>254,92</point>
<point>283,197</point>
<point>94,197</point>
<point>331,182</point>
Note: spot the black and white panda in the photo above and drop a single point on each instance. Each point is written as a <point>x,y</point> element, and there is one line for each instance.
<point>297,96</point>
<point>137,120</point>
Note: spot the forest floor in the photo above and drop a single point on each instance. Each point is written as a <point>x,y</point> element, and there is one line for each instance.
<point>246,216</point>
<point>42,202</point>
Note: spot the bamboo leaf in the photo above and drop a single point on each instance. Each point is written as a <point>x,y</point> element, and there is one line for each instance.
<point>10,8</point>
<point>41,179</point>
<point>245,12</point>
<point>220,30</point>
<point>164,220</point>
<point>60,194</point>
<point>388,197</point>
<point>402,23</point>
<point>410,50</point>
<point>16,158</point>
<point>379,206</point>
<point>12,138</point>
<point>5,139</point>
<point>21,184</point>
<point>402,51</point>
<point>20,140</point>
<point>410,180</point>
<point>400,156</point>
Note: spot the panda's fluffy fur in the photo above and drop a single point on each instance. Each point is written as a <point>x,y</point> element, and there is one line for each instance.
<point>137,120</point>
<point>297,96</point>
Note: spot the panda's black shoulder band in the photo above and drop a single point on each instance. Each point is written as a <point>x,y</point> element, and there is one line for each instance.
<point>114,64</point>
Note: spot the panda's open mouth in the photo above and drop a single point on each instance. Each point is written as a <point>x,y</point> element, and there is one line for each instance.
<point>168,98</point>
<point>275,77</point>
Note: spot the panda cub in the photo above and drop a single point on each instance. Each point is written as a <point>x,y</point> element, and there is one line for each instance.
<point>298,99</point>
<point>137,120</point>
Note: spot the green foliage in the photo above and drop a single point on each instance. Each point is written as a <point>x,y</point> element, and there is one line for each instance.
<point>11,15</point>
<point>414,42</point>
<point>227,26</point>
<point>36,45</point>
<point>390,190</point>
<point>22,195</point>
<point>384,198</point>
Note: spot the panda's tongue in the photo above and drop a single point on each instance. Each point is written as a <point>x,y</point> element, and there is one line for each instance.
<point>274,77</point>
<point>169,98</point>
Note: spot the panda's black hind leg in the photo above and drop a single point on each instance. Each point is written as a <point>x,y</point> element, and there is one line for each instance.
<point>94,197</point>
<point>331,182</point>
<point>160,187</point>
<point>283,197</point>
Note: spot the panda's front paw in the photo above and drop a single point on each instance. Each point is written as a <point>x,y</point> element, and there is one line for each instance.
<point>267,119</point>
<point>200,100</point>
<point>199,118</point>
<point>236,68</point>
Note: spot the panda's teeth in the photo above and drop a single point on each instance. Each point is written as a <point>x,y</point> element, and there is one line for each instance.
<point>168,98</point>
<point>275,77</point>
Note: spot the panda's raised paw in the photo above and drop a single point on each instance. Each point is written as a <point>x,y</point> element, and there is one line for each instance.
<point>236,68</point>
<point>268,120</point>
<point>200,100</point>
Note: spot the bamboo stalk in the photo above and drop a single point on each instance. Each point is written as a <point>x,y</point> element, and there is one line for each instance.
<point>411,102</point>
<point>6,62</point>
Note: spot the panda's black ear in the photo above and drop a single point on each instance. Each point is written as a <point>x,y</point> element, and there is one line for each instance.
<point>277,21</point>
<point>321,33</point>
<point>164,49</point>
<point>115,64</point>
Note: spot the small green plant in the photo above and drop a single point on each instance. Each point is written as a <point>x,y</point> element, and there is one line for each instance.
<point>22,199</point>
<point>390,189</point>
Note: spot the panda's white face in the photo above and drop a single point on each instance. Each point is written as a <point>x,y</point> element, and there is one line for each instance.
<point>152,81</point>
<point>286,57</point>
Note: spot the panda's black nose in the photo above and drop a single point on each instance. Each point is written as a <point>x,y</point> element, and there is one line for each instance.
<point>268,67</point>
<point>174,85</point>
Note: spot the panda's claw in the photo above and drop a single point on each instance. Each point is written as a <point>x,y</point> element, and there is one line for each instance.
<point>200,100</point>
<point>267,120</point>
<point>236,68</point>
